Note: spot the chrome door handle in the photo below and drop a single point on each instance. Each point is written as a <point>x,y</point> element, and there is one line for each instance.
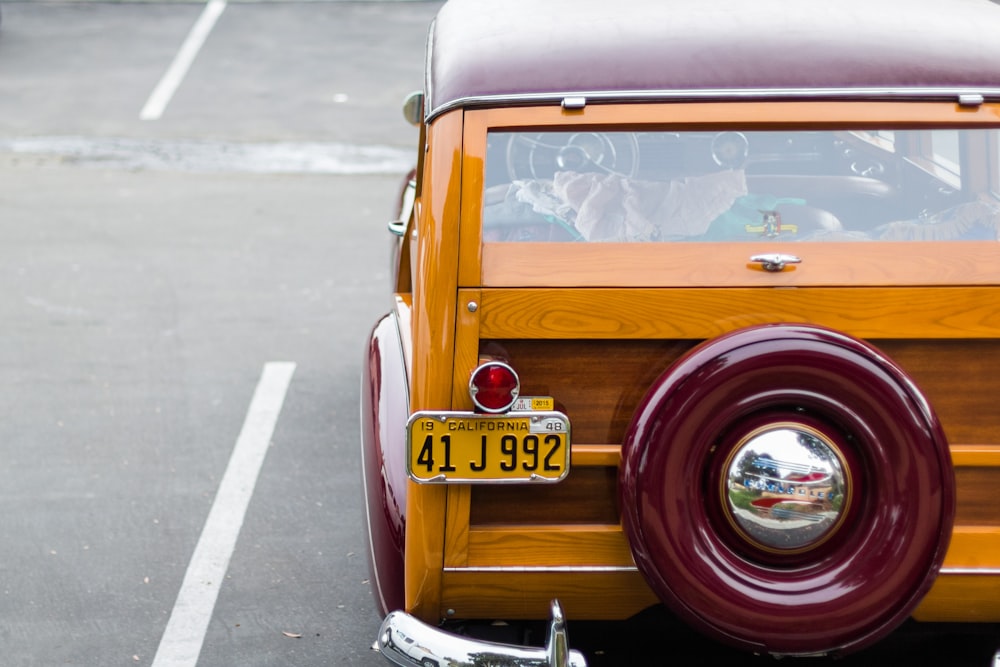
<point>774,261</point>
<point>397,227</point>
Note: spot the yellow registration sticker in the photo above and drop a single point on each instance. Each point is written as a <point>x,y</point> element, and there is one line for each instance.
<point>467,447</point>
<point>533,403</point>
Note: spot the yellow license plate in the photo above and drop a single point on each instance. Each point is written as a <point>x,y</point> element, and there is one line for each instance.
<point>467,447</point>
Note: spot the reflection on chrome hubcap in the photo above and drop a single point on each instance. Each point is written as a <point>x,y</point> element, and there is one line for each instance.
<point>787,488</point>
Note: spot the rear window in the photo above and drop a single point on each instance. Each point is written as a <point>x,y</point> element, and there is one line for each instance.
<point>886,184</point>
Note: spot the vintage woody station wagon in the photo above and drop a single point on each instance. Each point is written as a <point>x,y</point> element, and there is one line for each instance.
<point>695,304</point>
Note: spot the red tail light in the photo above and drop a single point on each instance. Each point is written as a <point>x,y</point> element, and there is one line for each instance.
<point>494,386</point>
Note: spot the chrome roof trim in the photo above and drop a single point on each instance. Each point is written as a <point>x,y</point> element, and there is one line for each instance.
<point>544,568</point>
<point>958,95</point>
<point>982,571</point>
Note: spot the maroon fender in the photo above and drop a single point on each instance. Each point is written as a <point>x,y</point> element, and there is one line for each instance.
<point>384,411</point>
<point>822,554</point>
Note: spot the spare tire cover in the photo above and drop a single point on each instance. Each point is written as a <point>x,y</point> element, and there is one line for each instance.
<point>787,489</point>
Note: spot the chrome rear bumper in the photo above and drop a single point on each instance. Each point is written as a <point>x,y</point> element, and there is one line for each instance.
<point>407,642</point>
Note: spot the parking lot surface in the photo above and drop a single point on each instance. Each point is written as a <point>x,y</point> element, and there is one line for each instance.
<point>150,270</point>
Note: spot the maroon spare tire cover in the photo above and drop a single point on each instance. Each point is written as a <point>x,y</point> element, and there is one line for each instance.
<point>787,489</point>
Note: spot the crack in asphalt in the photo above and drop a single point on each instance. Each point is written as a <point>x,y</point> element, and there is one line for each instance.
<point>216,156</point>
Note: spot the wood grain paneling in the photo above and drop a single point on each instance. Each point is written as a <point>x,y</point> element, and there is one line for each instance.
<point>599,384</point>
<point>586,496</point>
<point>882,263</point>
<point>967,598</point>
<point>433,330</point>
<point>743,115</point>
<point>517,595</point>
<point>573,546</point>
<point>606,314</point>
<point>977,491</point>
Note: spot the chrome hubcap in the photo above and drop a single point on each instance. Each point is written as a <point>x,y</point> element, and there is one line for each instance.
<point>786,488</point>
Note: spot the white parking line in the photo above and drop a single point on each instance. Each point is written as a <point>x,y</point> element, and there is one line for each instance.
<point>182,640</point>
<point>164,91</point>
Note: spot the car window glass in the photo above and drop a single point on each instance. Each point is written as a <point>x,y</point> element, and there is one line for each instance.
<point>995,164</point>
<point>945,149</point>
<point>794,185</point>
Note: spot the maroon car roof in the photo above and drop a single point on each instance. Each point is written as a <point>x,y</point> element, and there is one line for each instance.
<point>512,51</point>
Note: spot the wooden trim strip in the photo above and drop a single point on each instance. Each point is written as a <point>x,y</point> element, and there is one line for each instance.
<point>968,587</point>
<point>466,356</point>
<point>975,547</point>
<point>901,313</point>
<point>596,456</point>
<point>975,456</point>
<point>552,546</point>
<point>961,598</point>
<point>739,115</point>
<point>433,337</point>
<point>966,456</point>
<point>886,264</point>
<point>526,595</point>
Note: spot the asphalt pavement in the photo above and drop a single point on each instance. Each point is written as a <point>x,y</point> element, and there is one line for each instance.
<point>150,271</point>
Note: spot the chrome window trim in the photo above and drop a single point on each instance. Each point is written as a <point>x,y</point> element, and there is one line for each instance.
<point>543,568</point>
<point>981,571</point>
<point>957,95</point>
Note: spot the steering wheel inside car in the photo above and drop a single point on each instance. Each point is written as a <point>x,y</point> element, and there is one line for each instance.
<point>542,154</point>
